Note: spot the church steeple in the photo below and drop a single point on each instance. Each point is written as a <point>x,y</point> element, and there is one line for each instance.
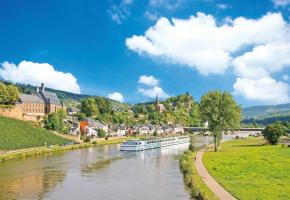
<point>157,100</point>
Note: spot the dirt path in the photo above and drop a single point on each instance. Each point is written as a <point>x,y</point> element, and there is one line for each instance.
<point>216,188</point>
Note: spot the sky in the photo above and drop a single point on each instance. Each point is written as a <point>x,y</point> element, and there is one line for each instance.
<point>133,50</point>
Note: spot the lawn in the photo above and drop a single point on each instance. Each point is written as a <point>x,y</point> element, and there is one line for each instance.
<point>251,170</point>
<point>16,134</point>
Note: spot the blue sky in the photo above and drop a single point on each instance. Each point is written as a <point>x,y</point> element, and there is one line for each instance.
<point>87,39</point>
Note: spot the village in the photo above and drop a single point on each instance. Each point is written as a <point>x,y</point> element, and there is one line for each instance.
<point>36,106</point>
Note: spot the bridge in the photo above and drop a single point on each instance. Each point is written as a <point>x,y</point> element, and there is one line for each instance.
<point>199,129</point>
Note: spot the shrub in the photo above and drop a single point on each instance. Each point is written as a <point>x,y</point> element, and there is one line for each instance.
<point>273,132</point>
<point>101,133</point>
<point>87,139</point>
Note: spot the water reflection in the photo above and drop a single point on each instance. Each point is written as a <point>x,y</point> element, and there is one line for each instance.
<point>98,173</point>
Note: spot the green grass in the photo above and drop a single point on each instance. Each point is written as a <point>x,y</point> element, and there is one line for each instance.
<point>16,134</point>
<point>251,170</point>
<point>197,187</point>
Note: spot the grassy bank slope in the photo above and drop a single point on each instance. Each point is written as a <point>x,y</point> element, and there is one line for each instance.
<point>198,189</point>
<point>16,134</point>
<point>250,170</point>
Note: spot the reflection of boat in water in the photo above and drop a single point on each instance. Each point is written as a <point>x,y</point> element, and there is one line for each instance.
<point>140,145</point>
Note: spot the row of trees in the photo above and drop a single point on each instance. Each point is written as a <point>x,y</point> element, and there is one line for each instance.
<point>217,108</point>
<point>9,94</point>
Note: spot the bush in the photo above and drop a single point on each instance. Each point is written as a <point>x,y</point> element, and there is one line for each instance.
<point>273,132</point>
<point>87,139</point>
<point>101,133</point>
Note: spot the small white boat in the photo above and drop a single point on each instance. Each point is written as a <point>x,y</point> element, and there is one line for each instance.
<point>140,145</point>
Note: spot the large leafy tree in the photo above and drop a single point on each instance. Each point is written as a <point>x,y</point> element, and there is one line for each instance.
<point>89,107</point>
<point>273,132</point>
<point>9,94</point>
<point>221,112</point>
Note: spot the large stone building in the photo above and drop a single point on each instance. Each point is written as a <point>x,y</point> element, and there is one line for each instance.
<point>33,107</point>
<point>40,103</point>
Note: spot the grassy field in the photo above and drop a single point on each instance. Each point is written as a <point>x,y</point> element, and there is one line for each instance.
<point>198,189</point>
<point>251,170</point>
<point>16,134</point>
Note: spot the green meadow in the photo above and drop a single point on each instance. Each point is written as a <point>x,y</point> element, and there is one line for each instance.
<point>16,134</point>
<point>249,169</point>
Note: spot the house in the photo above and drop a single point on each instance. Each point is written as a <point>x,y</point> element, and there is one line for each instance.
<point>90,131</point>
<point>93,125</point>
<point>72,111</point>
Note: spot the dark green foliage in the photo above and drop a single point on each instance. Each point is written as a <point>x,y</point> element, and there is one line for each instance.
<point>273,132</point>
<point>16,134</point>
<point>55,121</point>
<point>101,133</point>
<point>81,116</point>
<point>89,107</point>
<point>87,140</point>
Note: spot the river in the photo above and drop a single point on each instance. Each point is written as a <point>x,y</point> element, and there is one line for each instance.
<point>102,172</point>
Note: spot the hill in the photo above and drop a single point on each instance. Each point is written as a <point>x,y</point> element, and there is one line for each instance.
<point>17,134</point>
<point>266,111</point>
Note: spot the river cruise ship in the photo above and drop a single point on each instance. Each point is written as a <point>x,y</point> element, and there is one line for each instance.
<point>140,145</point>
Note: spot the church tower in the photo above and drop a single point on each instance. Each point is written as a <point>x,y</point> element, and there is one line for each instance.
<point>157,102</point>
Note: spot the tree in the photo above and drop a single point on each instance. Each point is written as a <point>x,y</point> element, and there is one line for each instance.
<point>273,132</point>
<point>89,107</point>
<point>55,121</point>
<point>221,112</point>
<point>101,133</point>
<point>9,94</point>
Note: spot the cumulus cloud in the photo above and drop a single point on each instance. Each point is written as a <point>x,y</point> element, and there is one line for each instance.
<point>263,89</point>
<point>223,6</point>
<point>120,12</point>
<point>281,3</point>
<point>198,42</point>
<point>285,77</point>
<point>167,4</point>
<point>152,88</point>
<point>153,92</point>
<point>148,80</point>
<point>254,48</point>
<point>116,96</point>
<point>36,73</point>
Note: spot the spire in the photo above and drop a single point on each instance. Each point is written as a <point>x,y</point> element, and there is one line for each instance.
<point>157,100</point>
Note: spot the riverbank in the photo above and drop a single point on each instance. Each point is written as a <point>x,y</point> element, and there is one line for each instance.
<point>198,189</point>
<point>248,169</point>
<point>38,151</point>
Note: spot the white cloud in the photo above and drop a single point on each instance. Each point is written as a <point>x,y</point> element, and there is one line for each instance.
<point>167,4</point>
<point>198,42</point>
<point>116,96</point>
<point>281,3</point>
<point>119,13</point>
<point>223,6</point>
<point>148,80</point>
<point>151,15</point>
<point>285,77</point>
<point>255,48</point>
<point>255,68</point>
<point>264,89</point>
<point>153,92</point>
<point>36,73</point>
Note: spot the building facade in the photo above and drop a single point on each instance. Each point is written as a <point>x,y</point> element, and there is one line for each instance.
<point>41,103</point>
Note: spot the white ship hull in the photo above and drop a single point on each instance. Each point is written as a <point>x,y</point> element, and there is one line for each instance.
<point>140,145</point>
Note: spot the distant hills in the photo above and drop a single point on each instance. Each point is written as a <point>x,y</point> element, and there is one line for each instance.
<point>264,111</point>
<point>264,115</point>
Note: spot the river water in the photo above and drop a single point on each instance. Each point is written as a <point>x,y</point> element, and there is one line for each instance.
<point>103,173</point>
